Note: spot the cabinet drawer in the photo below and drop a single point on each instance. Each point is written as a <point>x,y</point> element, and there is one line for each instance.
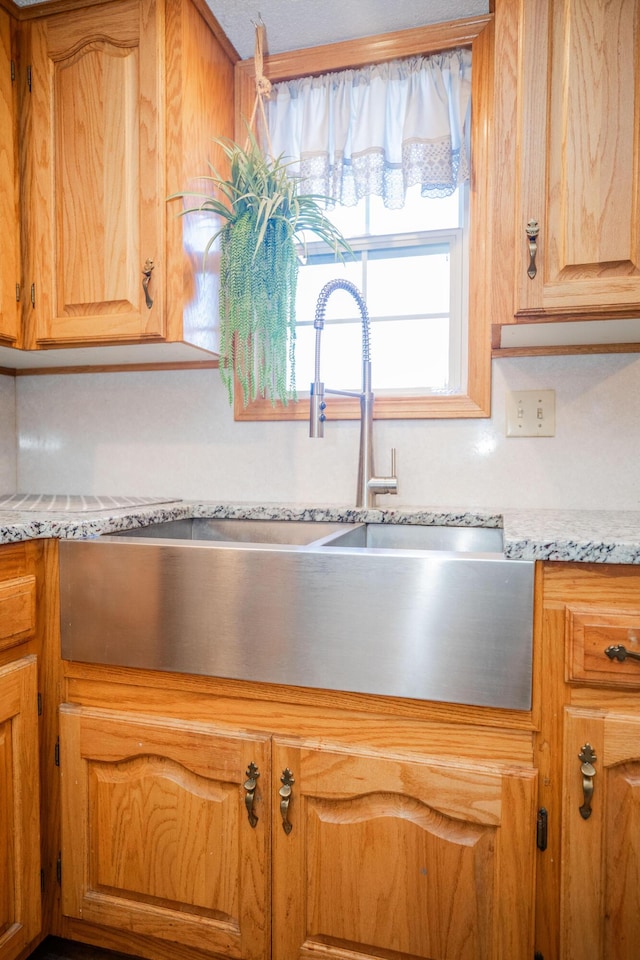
<point>592,631</point>
<point>17,610</point>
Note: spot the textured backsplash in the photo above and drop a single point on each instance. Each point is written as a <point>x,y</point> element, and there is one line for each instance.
<point>172,433</point>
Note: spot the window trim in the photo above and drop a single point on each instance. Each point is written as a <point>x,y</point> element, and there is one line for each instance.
<point>476,32</point>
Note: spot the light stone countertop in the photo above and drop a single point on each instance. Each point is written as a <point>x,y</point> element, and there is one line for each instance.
<point>588,536</point>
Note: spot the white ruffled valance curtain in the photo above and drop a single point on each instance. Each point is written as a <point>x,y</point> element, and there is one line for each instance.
<point>378,130</point>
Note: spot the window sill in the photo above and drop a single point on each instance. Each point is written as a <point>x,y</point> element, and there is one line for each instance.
<point>385,408</point>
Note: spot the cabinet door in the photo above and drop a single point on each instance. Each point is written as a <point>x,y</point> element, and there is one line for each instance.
<point>576,113</point>
<point>19,808</point>
<point>9,274</point>
<point>94,190</point>
<point>156,834</point>
<point>600,915</point>
<point>395,857</point>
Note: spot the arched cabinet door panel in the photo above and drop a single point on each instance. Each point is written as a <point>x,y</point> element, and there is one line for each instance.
<point>124,104</point>
<point>156,834</point>
<point>94,177</point>
<point>377,856</point>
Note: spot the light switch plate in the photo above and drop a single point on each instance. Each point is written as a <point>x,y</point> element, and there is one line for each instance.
<point>531,413</point>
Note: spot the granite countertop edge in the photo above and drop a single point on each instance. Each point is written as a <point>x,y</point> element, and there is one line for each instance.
<point>587,536</point>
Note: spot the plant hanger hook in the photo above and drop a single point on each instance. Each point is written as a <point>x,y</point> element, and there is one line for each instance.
<point>263,84</point>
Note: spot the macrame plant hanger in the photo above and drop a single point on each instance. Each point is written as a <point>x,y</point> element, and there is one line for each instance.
<point>263,85</point>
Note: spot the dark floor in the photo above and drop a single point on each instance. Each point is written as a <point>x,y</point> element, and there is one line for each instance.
<point>55,949</point>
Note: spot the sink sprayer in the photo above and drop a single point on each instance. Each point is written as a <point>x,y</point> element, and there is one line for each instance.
<point>369,485</point>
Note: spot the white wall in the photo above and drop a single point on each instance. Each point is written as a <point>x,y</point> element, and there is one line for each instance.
<point>172,434</point>
<point>7,434</point>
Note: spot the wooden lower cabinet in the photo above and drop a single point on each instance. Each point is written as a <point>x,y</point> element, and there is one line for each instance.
<point>600,894</point>
<point>257,846</point>
<point>204,818</point>
<point>20,909</point>
<point>388,857</point>
<point>156,838</point>
<point>589,757</point>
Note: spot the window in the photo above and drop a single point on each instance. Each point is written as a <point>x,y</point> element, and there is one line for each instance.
<point>410,265</point>
<point>441,242</point>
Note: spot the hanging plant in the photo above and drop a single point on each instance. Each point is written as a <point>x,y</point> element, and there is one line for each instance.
<point>264,222</point>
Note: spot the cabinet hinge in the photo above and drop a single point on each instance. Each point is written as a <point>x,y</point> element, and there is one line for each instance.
<point>39,704</point>
<point>13,71</point>
<point>29,78</point>
<point>33,294</point>
<point>17,293</point>
<point>56,753</point>
<point>542,828</point>
<point>41,881</point>
<point>59,870</point>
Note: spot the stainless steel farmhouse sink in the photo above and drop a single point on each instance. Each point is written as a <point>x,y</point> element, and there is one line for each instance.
<point>327,533</point>
<point>433,613</point>
<point>294,532</point>
<point>406,536</point>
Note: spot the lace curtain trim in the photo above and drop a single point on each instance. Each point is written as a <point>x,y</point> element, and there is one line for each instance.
<point>378,130</point>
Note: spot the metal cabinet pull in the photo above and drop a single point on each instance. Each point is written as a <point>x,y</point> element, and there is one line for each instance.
<point>250,792</point>
<point>146,277</point>
<point>618,652</point>
<point>533,229</point>
<point>285,798</point>
<point>587,759</point>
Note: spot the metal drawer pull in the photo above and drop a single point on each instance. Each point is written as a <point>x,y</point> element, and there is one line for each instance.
<point>618,652</point>
<point>146,277</point>
<point>250,791</point>
<point>533,229</point>
<point>285,798</point>
<point>587,758</point>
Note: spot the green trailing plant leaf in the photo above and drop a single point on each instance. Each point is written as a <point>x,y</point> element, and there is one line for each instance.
<point>263,218</point>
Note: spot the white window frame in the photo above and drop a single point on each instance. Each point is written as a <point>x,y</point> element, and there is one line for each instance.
<point>455,238</point>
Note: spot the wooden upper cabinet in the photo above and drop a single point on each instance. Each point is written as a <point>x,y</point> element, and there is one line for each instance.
<point>116,91</point>
<point>567,121</point>
<point>95,210</point>
<point>9,272</point>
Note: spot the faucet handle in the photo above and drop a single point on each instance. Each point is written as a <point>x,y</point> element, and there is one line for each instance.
<point>317,406</point>
<point>385,484</point>
<point>392,481</point>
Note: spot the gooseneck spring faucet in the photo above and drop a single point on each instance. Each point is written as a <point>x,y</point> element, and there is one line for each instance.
<point>368,484</point>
